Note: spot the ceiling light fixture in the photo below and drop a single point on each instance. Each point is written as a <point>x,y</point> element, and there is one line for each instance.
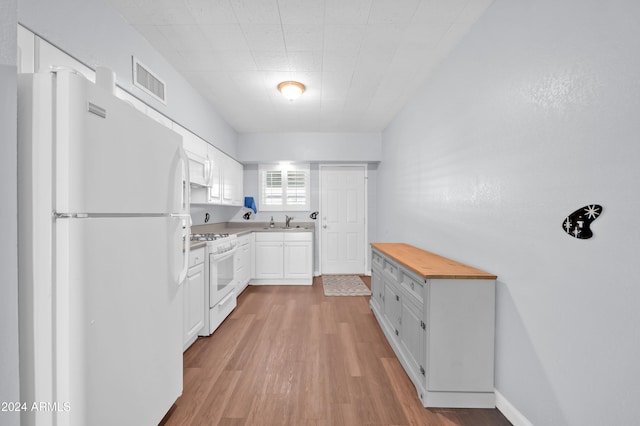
<point>291,89</point>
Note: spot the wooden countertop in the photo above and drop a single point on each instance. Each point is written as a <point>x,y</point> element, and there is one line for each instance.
<point>430,265</point>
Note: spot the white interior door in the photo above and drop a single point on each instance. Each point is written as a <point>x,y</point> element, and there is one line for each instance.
<point>343,219</point>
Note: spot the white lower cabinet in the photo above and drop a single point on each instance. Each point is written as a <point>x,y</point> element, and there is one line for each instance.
<point>269,256</point>
<point>193,308</point>
<point>441,329</point>
<point>283,258</point>
<point>242,262</point>
<point>298,256</point>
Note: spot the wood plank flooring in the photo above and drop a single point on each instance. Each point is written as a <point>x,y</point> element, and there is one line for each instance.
<point>288,355</point>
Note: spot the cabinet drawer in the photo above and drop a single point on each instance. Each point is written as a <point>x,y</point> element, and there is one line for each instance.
<point>196,256</point>
<point>269,236</point>
<point>244,239</point>
<point>298,236</point>
<point>377,260</point>
<point>412,285</point>
<point>390,269</point>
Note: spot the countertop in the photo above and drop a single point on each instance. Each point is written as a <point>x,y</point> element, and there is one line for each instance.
<point>241,228</point>
<point>197,244</point>
<point>430,265</point>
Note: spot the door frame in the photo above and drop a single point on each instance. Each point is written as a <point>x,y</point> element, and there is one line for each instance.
<point>321,169</point>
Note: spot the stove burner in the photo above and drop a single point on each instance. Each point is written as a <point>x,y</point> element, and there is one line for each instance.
<point>207,237</point>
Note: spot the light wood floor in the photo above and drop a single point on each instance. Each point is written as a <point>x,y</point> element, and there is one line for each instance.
<point>288,355</point>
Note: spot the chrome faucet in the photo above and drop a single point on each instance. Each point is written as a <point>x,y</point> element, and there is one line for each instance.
<point>287,221</point>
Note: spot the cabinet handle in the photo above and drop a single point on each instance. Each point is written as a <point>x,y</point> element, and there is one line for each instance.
<point>397,298</point>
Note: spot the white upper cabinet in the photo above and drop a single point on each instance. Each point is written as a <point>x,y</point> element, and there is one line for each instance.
<point>215,188</point>
<point>227,179</point>
<point>232,183</point>
<point>215,177</point>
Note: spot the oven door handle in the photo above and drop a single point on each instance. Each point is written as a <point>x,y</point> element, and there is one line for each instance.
<point>222,256</point>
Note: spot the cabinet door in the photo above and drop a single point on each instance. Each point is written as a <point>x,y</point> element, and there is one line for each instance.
<point>227,180</point>
<point>392,306</point>
<point>246,261</point>
<point>377,289</point>
<point>242,262</point>
<point>412,336</point>
<point>269,260</point>
<point>237,171</point>
<point>193,303</point>
<point>215,158</point>
<point>298,259</point>
<point>231,181</point>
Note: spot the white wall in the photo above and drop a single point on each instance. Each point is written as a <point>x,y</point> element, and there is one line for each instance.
<point>94,33</point>
<point>217,214</point>
<point>306,147</point>
<point>9,380</point>
<point>534,115</point>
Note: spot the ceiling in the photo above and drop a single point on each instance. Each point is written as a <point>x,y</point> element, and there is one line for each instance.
<point>360,60</point>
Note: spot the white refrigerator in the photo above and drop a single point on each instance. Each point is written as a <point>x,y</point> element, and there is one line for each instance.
<point>103,236</point>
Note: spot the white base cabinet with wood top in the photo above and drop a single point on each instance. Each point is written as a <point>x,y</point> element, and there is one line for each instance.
<point>439,317</point>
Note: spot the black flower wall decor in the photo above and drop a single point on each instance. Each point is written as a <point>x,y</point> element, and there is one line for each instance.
<point>578,223</point>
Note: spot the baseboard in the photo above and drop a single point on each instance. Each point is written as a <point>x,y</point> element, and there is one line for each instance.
<point>366,273</point>
<point>510,412</point>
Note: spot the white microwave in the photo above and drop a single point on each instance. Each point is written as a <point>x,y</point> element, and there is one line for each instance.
<point>199,170</point>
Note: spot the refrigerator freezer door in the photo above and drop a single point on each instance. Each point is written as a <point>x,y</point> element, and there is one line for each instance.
<point>118,319</point>
<point>111,158</point>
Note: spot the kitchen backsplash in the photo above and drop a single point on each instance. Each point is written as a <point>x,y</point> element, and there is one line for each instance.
<point>217,214</point>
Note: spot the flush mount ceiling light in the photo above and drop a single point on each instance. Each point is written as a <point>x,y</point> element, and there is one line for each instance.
<point>291,89</point>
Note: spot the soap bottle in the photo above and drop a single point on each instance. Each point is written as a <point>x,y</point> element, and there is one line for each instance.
<point>271,224</point>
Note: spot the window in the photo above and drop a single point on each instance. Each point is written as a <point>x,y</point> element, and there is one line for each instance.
<point>284,187</point>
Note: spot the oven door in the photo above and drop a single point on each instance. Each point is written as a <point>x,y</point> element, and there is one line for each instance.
<point>221,276</point>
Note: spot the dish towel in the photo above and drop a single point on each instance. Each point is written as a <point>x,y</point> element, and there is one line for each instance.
<point>250,203</point>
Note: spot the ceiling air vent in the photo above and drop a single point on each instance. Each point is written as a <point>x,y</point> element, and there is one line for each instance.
<point>148,81</point>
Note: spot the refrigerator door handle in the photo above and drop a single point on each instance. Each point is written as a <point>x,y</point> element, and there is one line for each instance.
<point>185,260</point>
<point>182,169</point>
<point>186,187</point>
<point>184,221</point>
